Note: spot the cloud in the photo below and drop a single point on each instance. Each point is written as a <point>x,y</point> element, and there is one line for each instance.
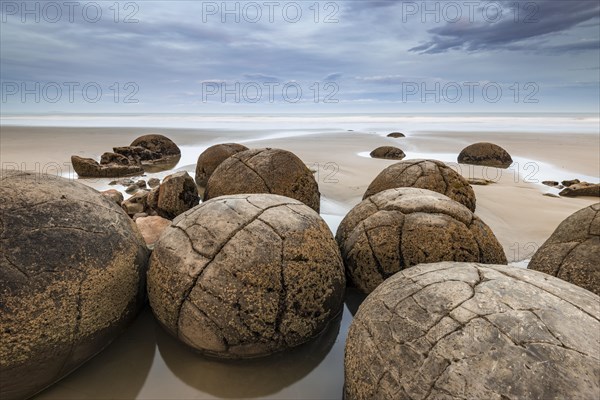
<point>261,78</point>
<point>333,77</point>
<point>520,21</point>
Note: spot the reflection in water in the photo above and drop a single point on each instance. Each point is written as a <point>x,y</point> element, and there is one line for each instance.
<point>165,164</point>
<point>118,372</point>
<point>245,378</point>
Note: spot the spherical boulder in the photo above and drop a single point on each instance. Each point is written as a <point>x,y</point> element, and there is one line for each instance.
<point>212,157</point>
<point>470,331</point>
<point>245,276</point>
<point>268,170</point>
<point>424,174</point>
<point>159,144</point>
<point>396,135</point>
<point>572,252</point>
<point>398,228</point>
<point>487,154</point>
<point>72,277</point>
<point>388,152</point>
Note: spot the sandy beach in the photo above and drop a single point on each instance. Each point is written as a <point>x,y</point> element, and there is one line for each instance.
<point>147,363</point>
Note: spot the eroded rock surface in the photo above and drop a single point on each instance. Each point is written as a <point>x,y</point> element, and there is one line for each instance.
<point>398,228</point>
<point>246,276</point>
<point>487,154</point>
<point>72,277</point>
<point>572,252</point>
<point>424,174</point>
<point>212,157</point>
<point>470,331</point>
<point>268,170</point>
<point>388,153</point>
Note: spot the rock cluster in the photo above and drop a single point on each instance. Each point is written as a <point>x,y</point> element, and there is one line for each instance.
<point>471,331</point>
<point>72,277</point>
<point>145,151</point>
<point>246,276</point>
<point>398,228</point>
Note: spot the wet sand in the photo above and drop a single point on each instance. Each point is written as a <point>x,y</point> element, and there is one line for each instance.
<point>146,363</point>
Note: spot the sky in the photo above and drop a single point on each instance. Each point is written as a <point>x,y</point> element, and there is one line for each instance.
<point>299,56</point>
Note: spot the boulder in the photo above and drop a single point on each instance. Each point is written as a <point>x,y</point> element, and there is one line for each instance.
<point>177,194</point>
<point>153,182</point>
<point>265,171</point>
<point>551,183</point>
<point>469,331</point>
<point>395,135</point>
<point>424,174</point>
<point>114,158</point>
<point>570,182</point>
<point>398,228</point>
<point>212,157</point>
<point>151,227</point>
<point>114,195</point>
<point>90,168</point>
<point>137,154</point>
<point>138,203</point>
<point>157,144</point>
<point>581,189</point>
<point>141,184</point>
<point>487,154</point>
<point>132,189</point>
<point>388,152</point>
<point>572,252</point>
<point>246,276</point>
<point>72,277</point>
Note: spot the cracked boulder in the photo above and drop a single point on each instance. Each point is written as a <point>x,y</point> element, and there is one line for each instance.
<point>265,171</point>
<point>176,194</point>
<point>212,157</point>
<point>72,277</point>
<point>246,276</point>
<point>486,154</point>
<point>90,168</point>
<point>572,252</point>
<point>470,331</point>
<point>424,174</point>
<point>398,228</point>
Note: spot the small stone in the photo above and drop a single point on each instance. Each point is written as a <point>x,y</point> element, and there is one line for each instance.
<point>153,182</point>
<point>551,183</point>
<point>132,189</point>
<point>141,184</point>
<point>114,195</point>
<point>552,195</point>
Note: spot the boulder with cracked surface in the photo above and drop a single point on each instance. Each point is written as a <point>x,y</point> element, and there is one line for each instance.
<point>267,170</point>
<point>471,331</point>
<point>572,252</point>
<point>72,277</point>
<point>246,276</point>
<point>398,228</point>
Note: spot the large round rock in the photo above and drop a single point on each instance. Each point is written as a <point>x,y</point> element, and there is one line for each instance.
<point>424,174</point>
<point>72,276</point>
<point>399,228</point>
<point>268,170</point>
<point>572,252</point>
<point>159,144</point>
<point>212,157</point>
<point>470,331</point>
<point>487,154</point>
<point>246,276</point>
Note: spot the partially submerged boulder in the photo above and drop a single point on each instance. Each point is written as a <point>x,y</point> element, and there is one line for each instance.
<point>72,277</point>
<point>470,331</point>
<point>388,152</point>
<point>396,135</point>
<point>581,189</point>
<point>398,228</point>
<point>487,154</point>
<point>424,174</point>
<point>572,252</point>
<point>268,170</point>
<point>90,168</point>
<point>246,275</point>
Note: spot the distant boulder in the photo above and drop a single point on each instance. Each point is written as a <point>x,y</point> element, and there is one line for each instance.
<point>486,154</point>
<point>396,135</point>
<point>570,182</point>
<point>388,153</point>
<point>581,189</point>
